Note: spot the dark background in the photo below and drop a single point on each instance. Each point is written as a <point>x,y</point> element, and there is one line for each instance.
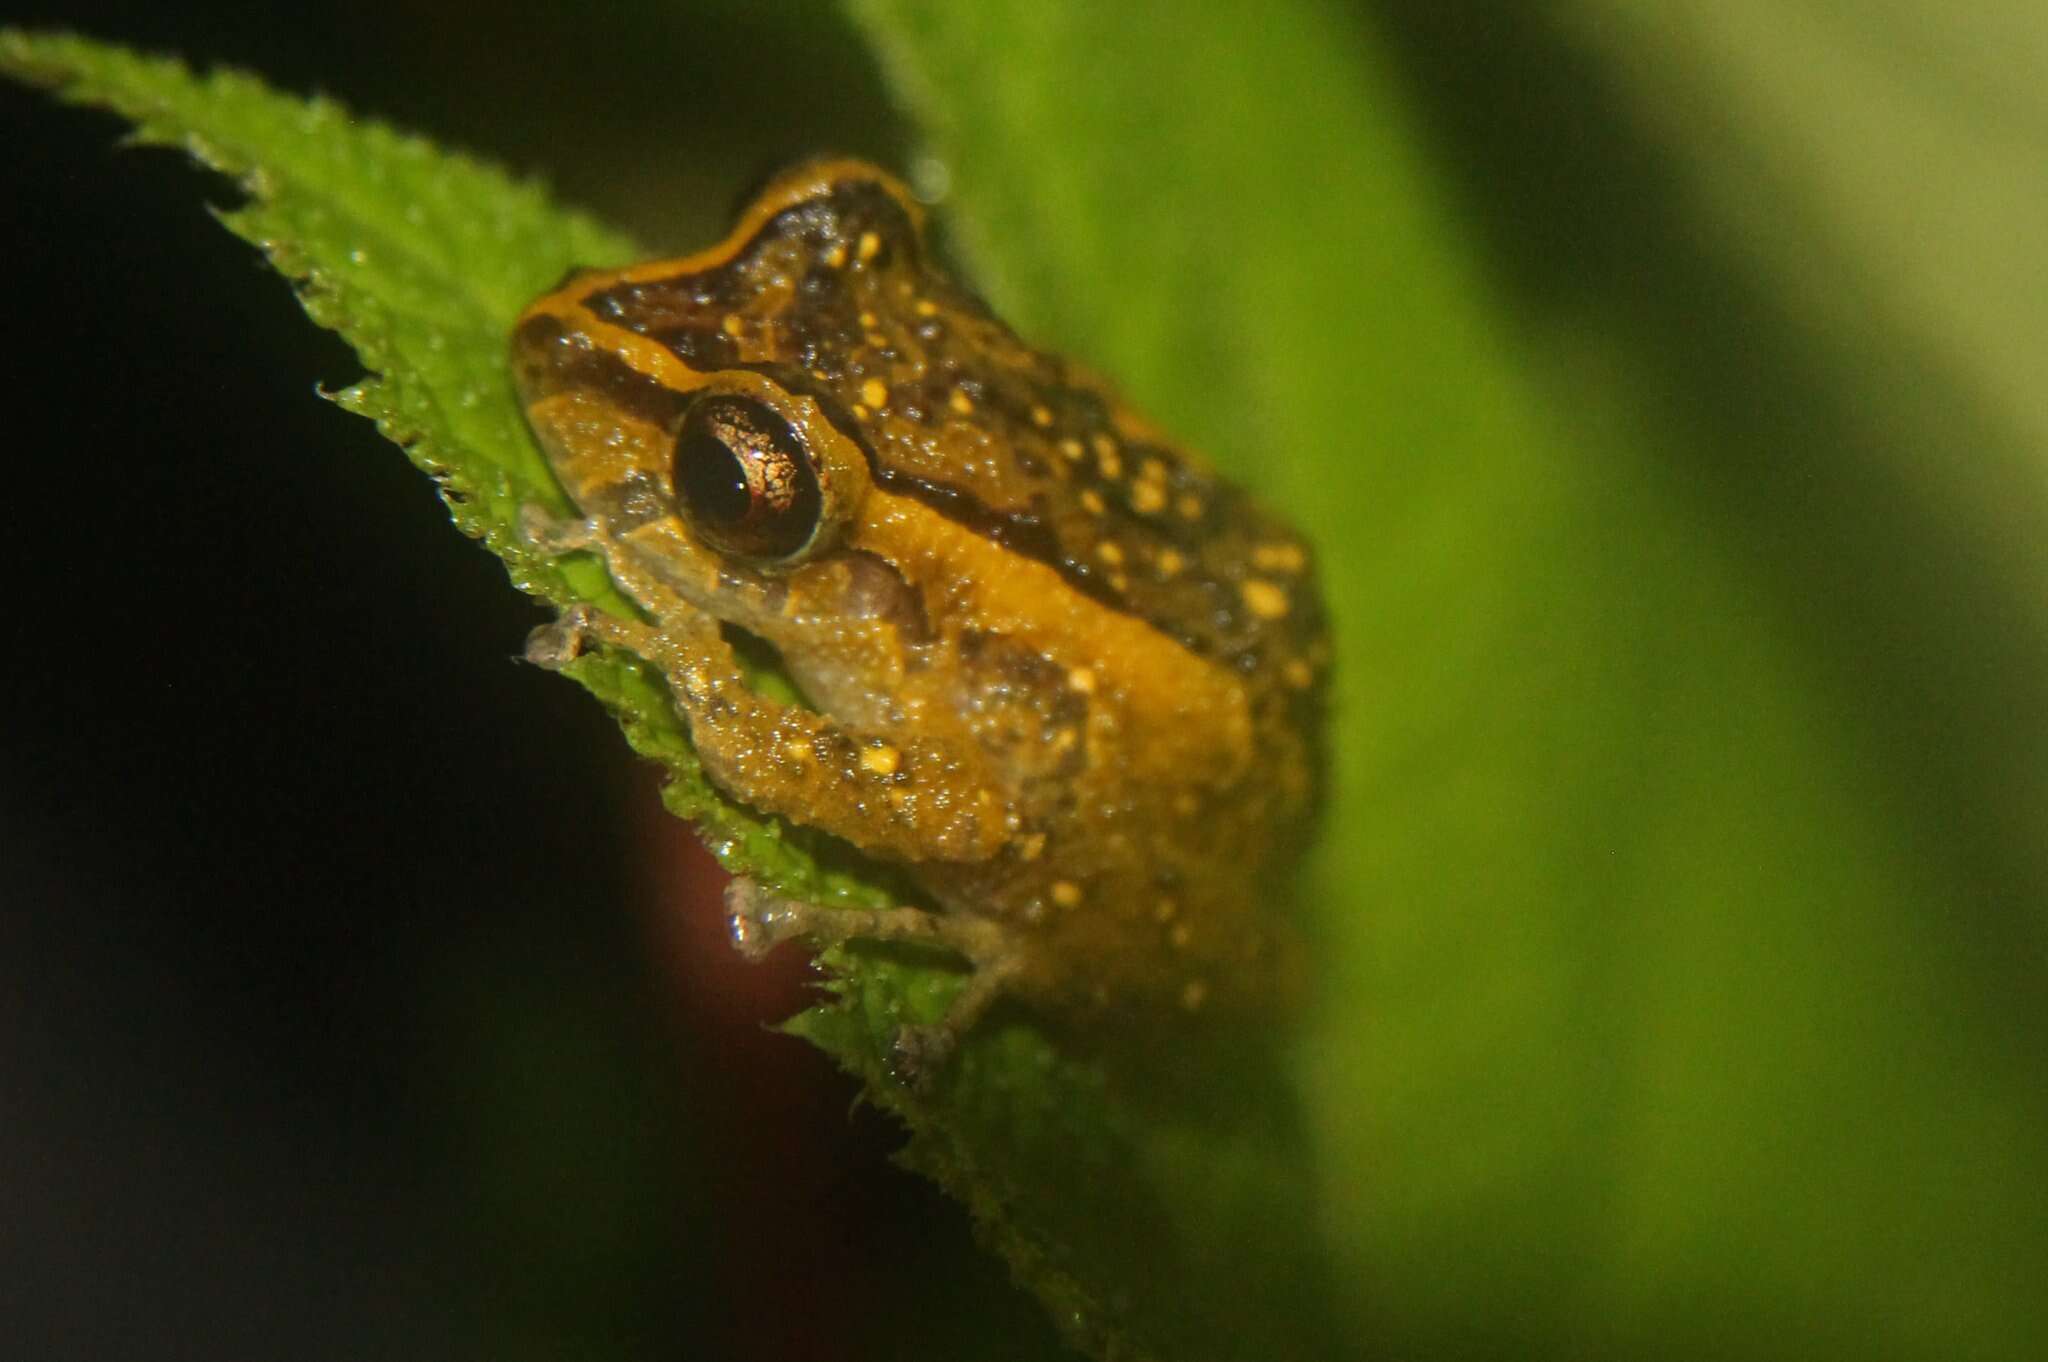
<point>333,1022</point>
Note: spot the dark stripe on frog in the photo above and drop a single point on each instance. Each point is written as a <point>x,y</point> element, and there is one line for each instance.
<point>1024,533</point>
<point>1021,532</point>
<point>549,365</point>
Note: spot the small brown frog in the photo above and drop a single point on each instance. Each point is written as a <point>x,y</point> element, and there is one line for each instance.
<point>1053,665</point>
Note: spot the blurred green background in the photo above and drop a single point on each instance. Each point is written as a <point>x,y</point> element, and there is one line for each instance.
<point>1685,908</point>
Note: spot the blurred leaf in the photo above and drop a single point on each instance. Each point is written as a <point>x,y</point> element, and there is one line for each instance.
<point>1883,162</point>
<point>1656,1018</point>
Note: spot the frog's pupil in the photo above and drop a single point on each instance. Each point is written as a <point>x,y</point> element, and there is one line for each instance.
<point>745,480</point>
<point>714,480</point>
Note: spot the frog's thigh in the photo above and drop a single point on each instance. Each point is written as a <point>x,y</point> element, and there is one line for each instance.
<point>916,800</point>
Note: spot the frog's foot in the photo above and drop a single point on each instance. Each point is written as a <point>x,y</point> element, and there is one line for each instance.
<point>920,1053</point>
<point>569,635</point>
<point>759,921</point>
<point>551,533</point>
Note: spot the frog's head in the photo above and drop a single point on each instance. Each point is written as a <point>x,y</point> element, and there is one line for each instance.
<point>716,419</point>
<point>729,384</point>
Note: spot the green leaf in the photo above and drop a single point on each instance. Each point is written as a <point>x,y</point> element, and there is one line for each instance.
<point>1939,98</point>
<point>1654,1017</point>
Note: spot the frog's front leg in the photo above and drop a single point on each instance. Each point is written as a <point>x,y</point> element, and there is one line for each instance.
<point>915,799</point>
<point>553,534</point>
<point>912,799</point>
<point>759,921</point>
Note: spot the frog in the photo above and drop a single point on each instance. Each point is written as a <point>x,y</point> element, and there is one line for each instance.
<point>1041,657</point>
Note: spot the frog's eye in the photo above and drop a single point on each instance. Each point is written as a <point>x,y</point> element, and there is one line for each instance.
<point>745,480</point>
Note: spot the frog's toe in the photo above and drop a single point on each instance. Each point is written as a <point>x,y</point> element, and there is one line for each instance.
<point>551,533</point>
<point>561,640</point>
<point>759,921</point>
<point>571,633</point>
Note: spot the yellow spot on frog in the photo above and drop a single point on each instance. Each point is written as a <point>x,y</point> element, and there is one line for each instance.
<point>1110,552</point>
<point>732,325</point>
<point>1169,562</point>
<point>1189,506</point>
<point>1070,448</point>
<point>1286,558</point>
<point>961,402</point>
<point>1263,598</point>
<point>1041,416</point>
<point>1147,497</point>
<point>870,246</point>
<point>1092,500</point>
<point>1082,680</point>
<point>1066,893</point>
<point>875,393</point>
<point>882,759</point>
<point>1298,674</point>
<point>926,308</point>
